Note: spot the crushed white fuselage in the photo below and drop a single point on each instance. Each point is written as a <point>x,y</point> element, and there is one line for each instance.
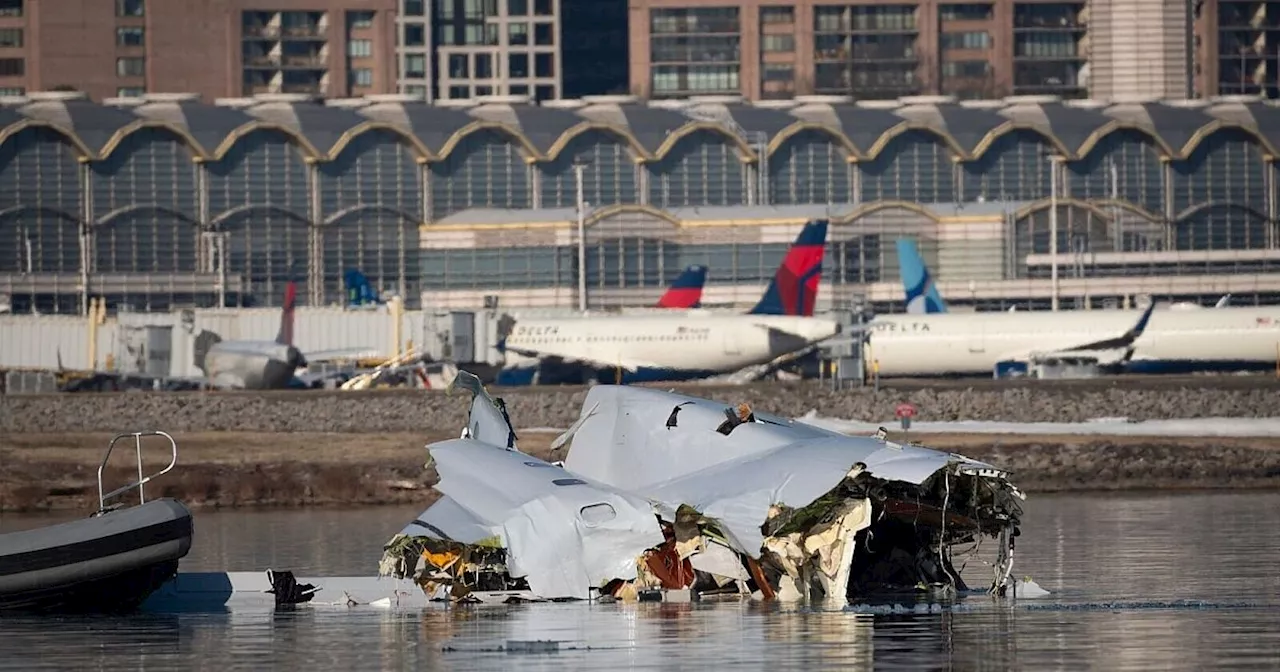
<point>664,491</point>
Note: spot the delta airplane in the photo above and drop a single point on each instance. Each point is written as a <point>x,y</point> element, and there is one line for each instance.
<point>1225,338</point>
<point>686,291</point>
<point>922,293</point>
<point>259,365</point>
<point>684,345</point>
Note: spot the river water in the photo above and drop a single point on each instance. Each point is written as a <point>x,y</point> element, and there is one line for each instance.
<point>1152,581</point>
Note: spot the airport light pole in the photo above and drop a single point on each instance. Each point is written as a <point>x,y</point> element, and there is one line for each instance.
<point>1053,231</point>
<point>578,168</point>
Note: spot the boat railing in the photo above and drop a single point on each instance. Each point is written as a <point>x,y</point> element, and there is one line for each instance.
<point>142,480</point>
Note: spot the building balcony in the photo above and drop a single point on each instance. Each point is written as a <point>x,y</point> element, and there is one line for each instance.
<point>268,61</point>
<point>1063,27</point>
<point>261,32</point>
<point>843,32</point>
<point>305,62</point>
<point>864,56</point>
<point>302,33</point>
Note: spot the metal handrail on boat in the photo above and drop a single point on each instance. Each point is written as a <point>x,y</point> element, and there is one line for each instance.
<point>137,443</point>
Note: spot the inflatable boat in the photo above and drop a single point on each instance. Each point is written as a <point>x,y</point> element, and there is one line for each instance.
<point>108,562</point>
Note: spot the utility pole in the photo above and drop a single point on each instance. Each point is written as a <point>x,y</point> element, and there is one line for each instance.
<point>578,169</point>
<point>1053,230</point>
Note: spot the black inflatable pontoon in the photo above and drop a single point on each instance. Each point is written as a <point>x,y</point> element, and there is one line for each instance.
<point>109,562</point>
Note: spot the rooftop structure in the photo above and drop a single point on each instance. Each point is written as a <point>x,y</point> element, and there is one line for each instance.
<point>170,200</point>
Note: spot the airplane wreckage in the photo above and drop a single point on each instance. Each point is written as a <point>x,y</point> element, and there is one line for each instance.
<point>662,492</point>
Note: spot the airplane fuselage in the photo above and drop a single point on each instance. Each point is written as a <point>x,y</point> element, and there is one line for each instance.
<point>687,346</point>
<point>252,365</point>
<point>1231,338</point>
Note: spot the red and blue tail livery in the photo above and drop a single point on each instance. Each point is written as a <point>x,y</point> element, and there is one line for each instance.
<point>686,291</point>
<point>794,289</point>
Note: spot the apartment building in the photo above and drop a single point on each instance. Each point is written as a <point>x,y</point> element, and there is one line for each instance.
<point>543,49</point>
<point>216,48</point>
<point>764,49</point>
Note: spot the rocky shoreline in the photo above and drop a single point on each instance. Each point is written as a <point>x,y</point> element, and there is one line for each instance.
<point>366,448</point>
<point>427,411</point>
<point>48,471</point>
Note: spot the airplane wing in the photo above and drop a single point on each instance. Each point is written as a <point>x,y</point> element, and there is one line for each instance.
<point>1113,350</point>
<point>341,353</point>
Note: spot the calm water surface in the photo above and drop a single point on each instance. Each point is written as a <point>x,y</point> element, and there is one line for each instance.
<point>1158,582</point>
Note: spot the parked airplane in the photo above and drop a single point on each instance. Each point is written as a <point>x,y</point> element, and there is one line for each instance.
<point>1176,340</point>
<point>922,292</point>
<point>686,291</point>
<point>258,365</point>
<point>1166,341</point>
<point>684,345</point>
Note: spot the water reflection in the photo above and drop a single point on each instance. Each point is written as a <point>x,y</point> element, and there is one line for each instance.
<point>1117,563</point>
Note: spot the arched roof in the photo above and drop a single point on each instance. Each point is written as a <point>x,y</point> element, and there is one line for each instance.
<point>88,125</point>
<point>435,127</point>
<point>323,126</point>
<point>651,130</point>
<point>1098,208</point>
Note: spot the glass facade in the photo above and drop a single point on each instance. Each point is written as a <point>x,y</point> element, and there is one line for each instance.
<point>867,51</point>
<point>1048,51</point>
<point>1248,46</point>
<point>694,51</point>
<point>265,205</point>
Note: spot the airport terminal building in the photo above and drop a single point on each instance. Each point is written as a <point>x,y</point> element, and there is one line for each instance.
<point>169,201</point>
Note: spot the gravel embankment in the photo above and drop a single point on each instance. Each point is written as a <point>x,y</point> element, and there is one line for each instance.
<point>408,411</point>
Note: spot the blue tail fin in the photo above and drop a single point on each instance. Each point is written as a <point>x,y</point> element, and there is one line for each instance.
<point>922,293</point>
<point>359,291</point>
<point>794,289</point>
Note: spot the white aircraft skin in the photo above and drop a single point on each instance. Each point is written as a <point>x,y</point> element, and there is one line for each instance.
<point>259,365</point>
<point>252,365</point>
<point>684,345</point>
<point>1227,338</point>
<point>692,344</point>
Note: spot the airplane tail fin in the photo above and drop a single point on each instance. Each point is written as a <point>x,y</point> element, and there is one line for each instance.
<point>285,337</point>
<point>794,289</point>
<point>922,293</point>
<point>204,342</point>
<point>686,291</point>
<point>360,291</point>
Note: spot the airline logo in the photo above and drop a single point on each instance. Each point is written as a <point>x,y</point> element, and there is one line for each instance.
<point>801,271</point>
<point>686,291</point>
<point>901,327</point>
<point>536,330</point>
<point>1264,321</point>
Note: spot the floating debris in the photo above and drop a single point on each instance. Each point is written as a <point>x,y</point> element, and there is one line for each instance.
<point>662,493</point>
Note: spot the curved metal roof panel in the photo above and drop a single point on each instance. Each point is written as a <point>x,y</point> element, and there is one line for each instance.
<point>969,126</point>
<point>650,126</point>
<point>752,119</point>
<point>1177,125</point>
<point>208,125</point>
<point>437,128</point>
<point>861,127</point>
<point>1073,126</point>
<point>324,127</point>
<point>543,127</point>
<point>91,124</point>
<point>1251,113</point>
<point>864,129</point>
